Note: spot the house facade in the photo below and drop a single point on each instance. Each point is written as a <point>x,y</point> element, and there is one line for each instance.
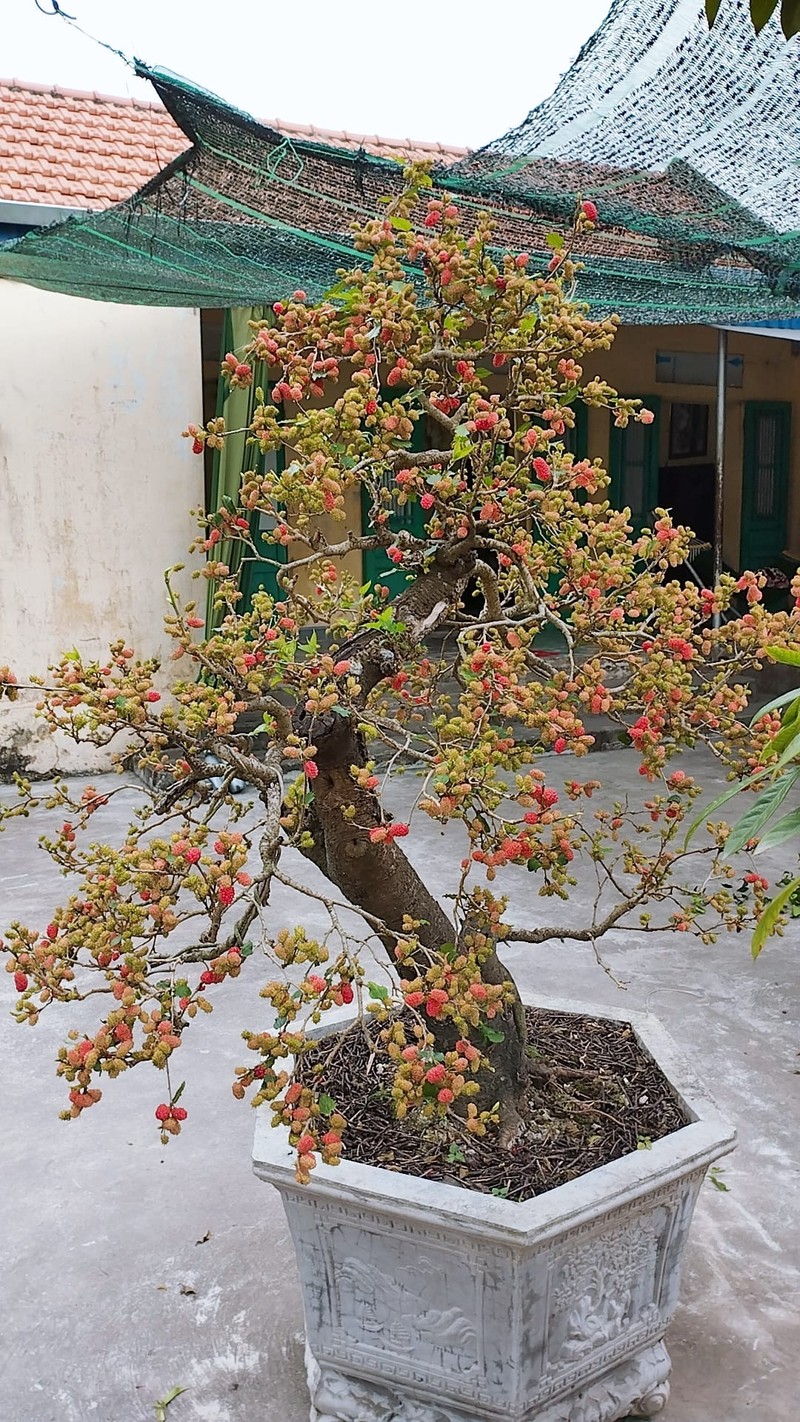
<point>230,213</point>
<point>672,462</point>
<point>95,480</point>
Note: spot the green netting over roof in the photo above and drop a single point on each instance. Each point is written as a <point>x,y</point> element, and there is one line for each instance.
<point>246,215</point>
<point>653,85</point>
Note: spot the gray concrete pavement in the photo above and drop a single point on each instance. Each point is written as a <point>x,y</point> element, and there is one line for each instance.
<point>110,1299</point>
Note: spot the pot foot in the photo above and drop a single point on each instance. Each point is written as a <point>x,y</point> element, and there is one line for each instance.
<point>636,1388</point>
<point>336,1397</point>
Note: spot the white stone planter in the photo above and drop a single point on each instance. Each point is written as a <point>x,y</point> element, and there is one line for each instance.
<point>428,1303</point>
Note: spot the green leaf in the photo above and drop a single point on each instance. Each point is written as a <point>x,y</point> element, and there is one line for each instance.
<point>783,829</point>
<point>164,1402</point>
<point>760,812</point>
<point>533,865</point>
<point>715,1176</point>
<point>787,655</point>
<point>788,749</point>
<point>742,785</point>
<point>326,1104</point>
<point>462,448</point>
<point>400,224</point>
<point>770,916</point>
<point>182,989</point>
<point>775,704</point>
<point>378,991</point>
<point>712,10</point>
<point>554,240</point>
<point>491,1034</point>
<point>386,619</point>
<point>760,11</point>
<point>455,1155</point>
<point>177,1097</point>
<point>790,17</point>
<point>246,950</point>
<point>311,646</point>
<point>782,738</point>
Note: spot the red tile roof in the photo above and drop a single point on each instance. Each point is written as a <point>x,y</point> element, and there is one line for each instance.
<point>67,148</point>
<point>372,142</point>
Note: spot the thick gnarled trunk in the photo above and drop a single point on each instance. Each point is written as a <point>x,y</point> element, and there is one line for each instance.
<point>378,877</point>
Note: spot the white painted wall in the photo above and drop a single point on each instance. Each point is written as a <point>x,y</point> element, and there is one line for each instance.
<point>95,482</point>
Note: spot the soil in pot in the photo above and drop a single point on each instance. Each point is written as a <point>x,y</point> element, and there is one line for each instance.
<point>597,1095</point>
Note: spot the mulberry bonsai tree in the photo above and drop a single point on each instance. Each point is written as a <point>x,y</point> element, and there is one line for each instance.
<point>314,693</point>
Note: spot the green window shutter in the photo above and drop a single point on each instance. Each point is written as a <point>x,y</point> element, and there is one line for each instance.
<point>259,574</point>
<point>765,482</point>
<point>234,459</point>
<point>376,566</point>
<point>634,455</point>
<point>576,440</point>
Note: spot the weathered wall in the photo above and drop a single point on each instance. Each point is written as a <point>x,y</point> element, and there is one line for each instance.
<point>95,484</point>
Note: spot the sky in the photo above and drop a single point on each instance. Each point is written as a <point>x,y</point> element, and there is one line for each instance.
<point>460,71</point>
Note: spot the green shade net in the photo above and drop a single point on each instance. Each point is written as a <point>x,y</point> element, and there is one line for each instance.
<point>654,85</point>
<point>247,215</point>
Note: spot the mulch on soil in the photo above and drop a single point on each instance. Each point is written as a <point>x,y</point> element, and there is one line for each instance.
<point>604,1097</point>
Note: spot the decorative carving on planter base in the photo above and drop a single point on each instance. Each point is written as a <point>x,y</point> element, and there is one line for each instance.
<point>638,1387</point>
<point>425,1302</point>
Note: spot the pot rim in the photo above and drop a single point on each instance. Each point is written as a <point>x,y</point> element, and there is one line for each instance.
<point>687,1151</point>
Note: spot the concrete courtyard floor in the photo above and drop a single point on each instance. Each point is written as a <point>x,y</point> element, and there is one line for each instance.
<point>130,1269</point>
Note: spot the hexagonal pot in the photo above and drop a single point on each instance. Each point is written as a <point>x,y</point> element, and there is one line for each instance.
<point>429,1303</point>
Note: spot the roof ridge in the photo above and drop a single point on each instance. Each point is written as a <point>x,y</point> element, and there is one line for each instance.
<point>58,91</point>
<point>312,130</point>
<point>285,126</point>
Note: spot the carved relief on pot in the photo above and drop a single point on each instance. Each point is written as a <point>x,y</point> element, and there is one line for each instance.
<point>603,1288</point>
<point>386,1289</point>
<point>405,1312</point>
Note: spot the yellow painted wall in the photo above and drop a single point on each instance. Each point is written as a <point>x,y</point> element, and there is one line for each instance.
<point>771,372</point>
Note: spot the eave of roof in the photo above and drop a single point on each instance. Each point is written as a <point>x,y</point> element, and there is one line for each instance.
<point>74,149</point>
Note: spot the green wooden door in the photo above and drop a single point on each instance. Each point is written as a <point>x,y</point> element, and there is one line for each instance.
<point>634,455</point>
<point>376,566</point>
<point>765,482</point>
<point>229,464</point>
<point>258,576</point>
<point>576,440</point>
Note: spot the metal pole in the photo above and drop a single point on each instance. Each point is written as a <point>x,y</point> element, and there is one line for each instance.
<point>719,473</point>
